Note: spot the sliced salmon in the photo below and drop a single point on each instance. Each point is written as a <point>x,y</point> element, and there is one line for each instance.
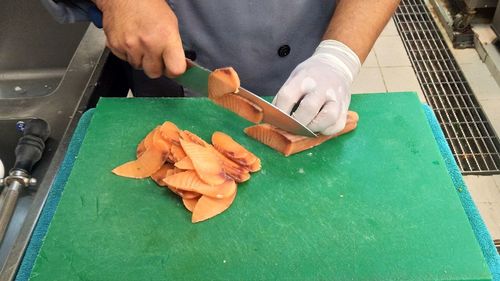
<point>185,164</point>
<point>188,136</point>
<point>190,203</point>
<point>241,106</point>
<point>177,153</point>
<point>206,164</point>
<point>222,81</point>
<point>147,164</point>
<point>159,175</point>
<point>148,140</point>
<point>231,168</point>
<point>255,166</point>
<point>170,132</point>
<point>204,177</point>
<point>187,194</point>
<point>208,207</point>
<point>228,146</point>
<point>239,176</point>
<point>288,143</point>
<point>146,143</point>
<point>189,181</point>
<point>233,150</point>
<point>183,193</point>
<point>140,149</point>
<point>161,143</point>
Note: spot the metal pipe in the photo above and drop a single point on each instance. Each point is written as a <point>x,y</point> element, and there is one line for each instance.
<point>9,195</point>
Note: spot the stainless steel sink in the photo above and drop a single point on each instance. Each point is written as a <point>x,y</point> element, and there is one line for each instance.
<point>47,71</point>
<point>33,57</point>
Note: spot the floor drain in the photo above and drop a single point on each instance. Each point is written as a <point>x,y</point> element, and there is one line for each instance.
<point>471,138</point>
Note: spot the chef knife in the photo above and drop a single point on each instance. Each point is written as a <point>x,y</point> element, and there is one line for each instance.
<point>272,115</point>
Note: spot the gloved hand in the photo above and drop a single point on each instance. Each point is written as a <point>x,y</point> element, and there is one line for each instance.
<point>321,85</point>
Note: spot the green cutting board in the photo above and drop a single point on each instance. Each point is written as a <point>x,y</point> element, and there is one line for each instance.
<point>376,204</point>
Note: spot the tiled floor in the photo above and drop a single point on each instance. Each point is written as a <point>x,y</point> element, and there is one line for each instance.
<point>388,69</point>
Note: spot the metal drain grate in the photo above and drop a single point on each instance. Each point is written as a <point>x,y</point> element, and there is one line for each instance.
<point>470,136</point>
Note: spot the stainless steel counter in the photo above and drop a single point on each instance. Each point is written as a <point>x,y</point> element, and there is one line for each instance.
<point>47,71</point>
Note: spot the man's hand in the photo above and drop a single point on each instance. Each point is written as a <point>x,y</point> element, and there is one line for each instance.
<point>144,33</point>
<point>320,85</point>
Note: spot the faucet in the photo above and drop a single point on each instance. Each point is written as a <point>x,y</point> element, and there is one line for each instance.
<point>29,150</point>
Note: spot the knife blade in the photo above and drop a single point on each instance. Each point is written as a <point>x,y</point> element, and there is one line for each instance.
<point>272,115</point>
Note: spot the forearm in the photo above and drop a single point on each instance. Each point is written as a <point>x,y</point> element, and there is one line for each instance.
<point>358,23</point>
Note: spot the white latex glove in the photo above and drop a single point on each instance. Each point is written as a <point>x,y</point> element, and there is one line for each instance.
<point>321,85</point>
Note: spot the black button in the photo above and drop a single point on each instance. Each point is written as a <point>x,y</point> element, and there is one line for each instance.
<point>190,54</point>
<point>283,51</point>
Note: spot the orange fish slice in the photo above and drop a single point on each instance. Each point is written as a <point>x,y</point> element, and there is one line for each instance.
<point>233,150</point>
<point>176,153</point>
<point>206,164</point>
<point>190,181</point>
<point>241,106</point>
<point>190,203</point>
<point>147,164</point>
<point>208,207</point>
<point>188,136</point>
<point>170,132</point>
<point>159,175</point>
<point>232,169</point>
<point>146,143</point>
<point>222,81</point>
<point>185,164</point>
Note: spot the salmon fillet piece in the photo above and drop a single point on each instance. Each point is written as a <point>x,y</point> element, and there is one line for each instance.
<point>223,83</point>
<point>241,106</point>
<point>288,143</point>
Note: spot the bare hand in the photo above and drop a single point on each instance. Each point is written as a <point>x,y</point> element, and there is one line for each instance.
<point>144,33</point>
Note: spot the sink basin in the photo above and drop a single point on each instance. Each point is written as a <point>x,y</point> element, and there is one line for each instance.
<point>35,50</point>
<point>47,71</point>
